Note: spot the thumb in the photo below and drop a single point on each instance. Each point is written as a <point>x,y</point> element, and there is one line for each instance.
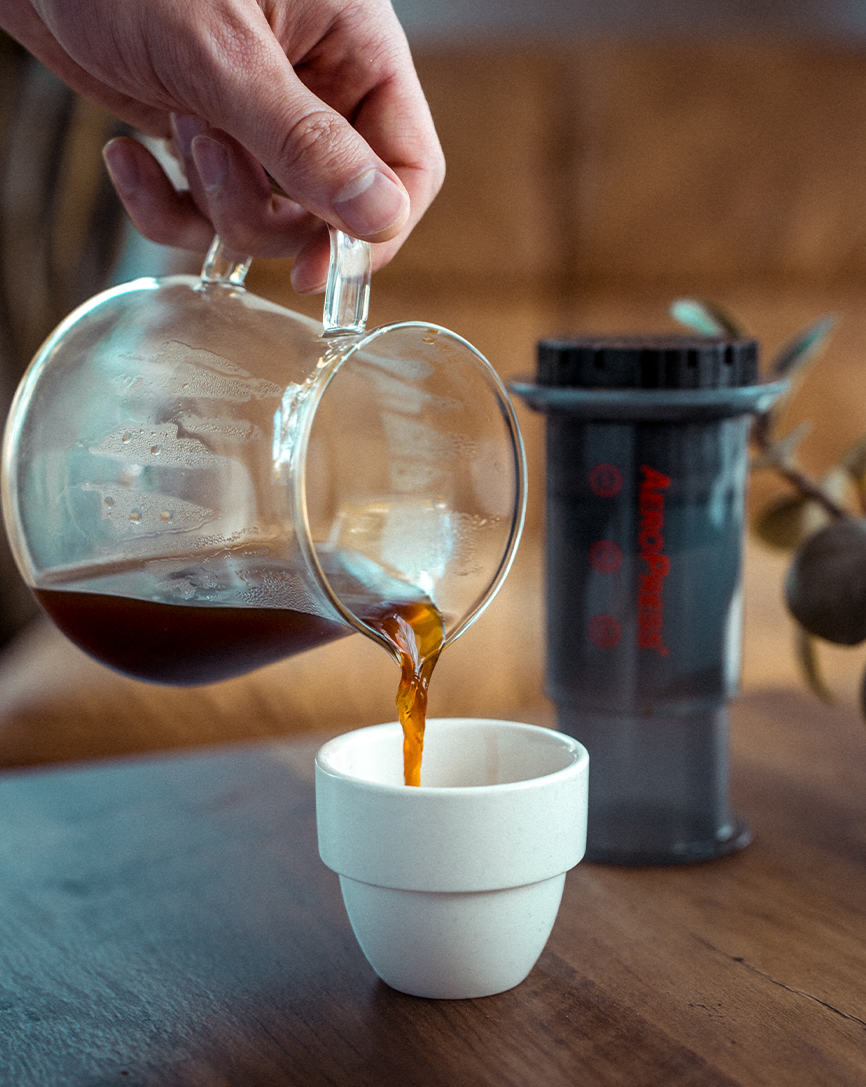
<point>373,205</point>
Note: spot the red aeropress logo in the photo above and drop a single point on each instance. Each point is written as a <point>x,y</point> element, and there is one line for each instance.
<point>605,557</point>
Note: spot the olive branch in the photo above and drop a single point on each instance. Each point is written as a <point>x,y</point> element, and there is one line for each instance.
<point>821,523</point>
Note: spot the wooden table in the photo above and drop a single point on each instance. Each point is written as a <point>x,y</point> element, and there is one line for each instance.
<point>166,920</point>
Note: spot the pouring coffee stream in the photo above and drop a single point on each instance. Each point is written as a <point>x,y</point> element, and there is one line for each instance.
<point>197,482</point>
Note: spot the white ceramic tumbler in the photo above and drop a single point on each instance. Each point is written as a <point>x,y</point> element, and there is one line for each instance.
<point>452,888</point>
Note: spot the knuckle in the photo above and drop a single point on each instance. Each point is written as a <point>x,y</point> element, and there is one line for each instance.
<point>319,136</point>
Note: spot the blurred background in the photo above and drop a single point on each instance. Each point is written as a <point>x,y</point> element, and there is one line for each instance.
<point>554,17</point>
<point>603,160</point>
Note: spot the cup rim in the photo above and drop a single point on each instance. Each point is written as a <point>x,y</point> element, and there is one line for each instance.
<point>453,838</point>
<point>324,763</point>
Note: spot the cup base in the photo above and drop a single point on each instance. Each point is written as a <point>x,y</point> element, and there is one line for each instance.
<point>452,945</point>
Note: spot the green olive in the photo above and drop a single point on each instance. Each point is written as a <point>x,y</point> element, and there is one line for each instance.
<point>826,584</point>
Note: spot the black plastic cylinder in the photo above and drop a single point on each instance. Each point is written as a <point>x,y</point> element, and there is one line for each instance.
<point>646,482</point>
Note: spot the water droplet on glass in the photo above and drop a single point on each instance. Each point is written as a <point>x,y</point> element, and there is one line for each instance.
<point>135,516</point>
<point>155,450</point>
<point>125,436</point>
<point>109,503</point>
<point>166,516</point>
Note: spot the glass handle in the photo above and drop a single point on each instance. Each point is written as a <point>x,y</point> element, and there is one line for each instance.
<point>221,265</point>
<point>347,295</point>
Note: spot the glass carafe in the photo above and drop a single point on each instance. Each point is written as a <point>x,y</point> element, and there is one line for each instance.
<point>197,482</point>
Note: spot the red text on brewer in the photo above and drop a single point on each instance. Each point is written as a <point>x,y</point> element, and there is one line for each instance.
<point>651,547</point>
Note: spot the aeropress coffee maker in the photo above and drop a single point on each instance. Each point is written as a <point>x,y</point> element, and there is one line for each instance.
<point>647,467</point>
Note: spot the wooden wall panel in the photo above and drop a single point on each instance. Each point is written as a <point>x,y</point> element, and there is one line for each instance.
<point>719,160</point>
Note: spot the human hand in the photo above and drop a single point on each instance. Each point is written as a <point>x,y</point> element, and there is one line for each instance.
<point>319,94</point>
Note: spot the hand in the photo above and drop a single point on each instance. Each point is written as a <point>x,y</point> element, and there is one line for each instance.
<point>320,94</point>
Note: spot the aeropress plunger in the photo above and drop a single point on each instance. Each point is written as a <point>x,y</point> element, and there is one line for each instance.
<point>646,481</point>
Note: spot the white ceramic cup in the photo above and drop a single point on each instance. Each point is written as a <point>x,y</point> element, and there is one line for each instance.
<point>452,888</point>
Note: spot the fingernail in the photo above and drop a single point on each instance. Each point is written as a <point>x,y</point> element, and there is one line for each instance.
<point>186,127</point>
<point>371,204</point>
<point>211,162</point>
<point>122,167</point>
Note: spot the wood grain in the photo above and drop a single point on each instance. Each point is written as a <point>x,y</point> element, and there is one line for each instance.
<point>166,920</point>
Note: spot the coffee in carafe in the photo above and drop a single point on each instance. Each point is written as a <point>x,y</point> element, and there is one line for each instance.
<point>197,482</point>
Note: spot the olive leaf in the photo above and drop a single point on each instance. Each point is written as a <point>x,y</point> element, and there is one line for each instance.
<point>780,451</point>
<point>806,652</point>
<point>791,363</point>
<point>852,468</point>
<point>785,522</point>
<point>706,318</point>
<point>839,483</point>
<point>853,460</point>
<point>804,347</point>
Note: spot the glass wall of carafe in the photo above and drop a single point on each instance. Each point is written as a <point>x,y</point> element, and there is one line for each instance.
<point>197,481</point>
